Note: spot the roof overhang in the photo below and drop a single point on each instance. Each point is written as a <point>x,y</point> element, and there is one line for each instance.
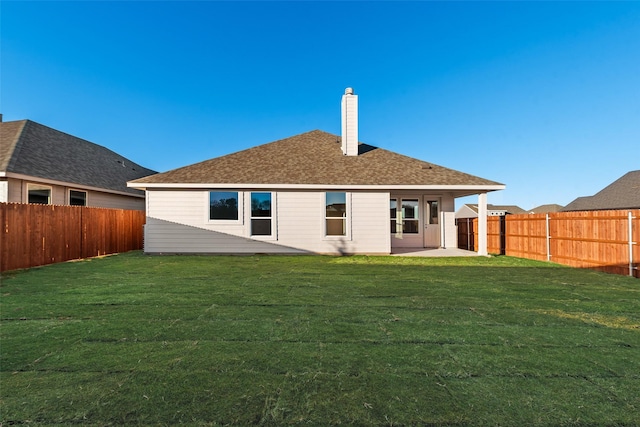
<point>463,190</point>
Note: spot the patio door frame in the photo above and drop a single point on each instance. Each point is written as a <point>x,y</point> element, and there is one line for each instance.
<point>429,233</point>
<point>432,222</point>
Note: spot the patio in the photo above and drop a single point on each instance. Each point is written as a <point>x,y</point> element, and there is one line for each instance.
<point>433,252</point>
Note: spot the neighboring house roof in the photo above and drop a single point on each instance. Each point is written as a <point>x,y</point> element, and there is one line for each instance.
<point>510,209</point>
<point>546,209</point>
<point>315,158</point>
<point>31,149</point>
<point>623,193</point>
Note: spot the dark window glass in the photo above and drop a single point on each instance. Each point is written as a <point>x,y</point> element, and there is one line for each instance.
<point>39,194</point>
<point>77,198</point>
<point>261,214</point>
<point>223,205</point>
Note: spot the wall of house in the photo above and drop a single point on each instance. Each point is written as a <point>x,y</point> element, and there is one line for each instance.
<point>16,192</point>
<point>4,191</point>
<point>447,234</point>
<point>450,238</point>
<point>177,221</point>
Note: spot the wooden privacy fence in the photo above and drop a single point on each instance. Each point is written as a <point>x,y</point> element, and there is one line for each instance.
<point>35,235</point>
<point>602,240</point>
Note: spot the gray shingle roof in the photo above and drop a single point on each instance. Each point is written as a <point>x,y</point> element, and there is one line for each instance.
<point>30,148</point>
<point>314,158</point>
<point>623,193</point>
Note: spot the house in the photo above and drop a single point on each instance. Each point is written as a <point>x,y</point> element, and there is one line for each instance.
<point>623,193</point>
<point>550,208</point>
<point>310,193</point>
<point>39,164</point>
<point>471,210</point>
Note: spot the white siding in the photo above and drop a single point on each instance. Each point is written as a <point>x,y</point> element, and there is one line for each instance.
<point>4,191</point>
<point>300,219</point>
<point>168,237</point>
<point>370,224</point>
<point>111,201</point>
<point>177,221</point>
<point>449,228</point>
<point>17,193</point>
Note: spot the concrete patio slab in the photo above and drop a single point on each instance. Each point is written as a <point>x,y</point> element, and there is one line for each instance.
<point>435,252</point>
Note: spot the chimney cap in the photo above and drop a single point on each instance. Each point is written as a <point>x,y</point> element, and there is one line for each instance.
<point>348,91</point>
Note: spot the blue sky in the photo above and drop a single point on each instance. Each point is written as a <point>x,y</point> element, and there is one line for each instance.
<point>541,96</point>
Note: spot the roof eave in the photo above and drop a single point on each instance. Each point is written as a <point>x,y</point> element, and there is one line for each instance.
<point>475,188</point>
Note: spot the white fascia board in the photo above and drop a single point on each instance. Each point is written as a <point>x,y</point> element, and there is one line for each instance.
<point>479,188</point>
<point>3,174</point>
<point>68,184</point>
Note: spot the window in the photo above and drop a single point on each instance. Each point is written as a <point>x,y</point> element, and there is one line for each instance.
<point>433,211</point>
<point>408,217</point>
<point>393,212</point>
<point>336,214</point>
<point>37,193</point>
<point>77,198</point>
<point>261,214</point>
<point>223,205</point>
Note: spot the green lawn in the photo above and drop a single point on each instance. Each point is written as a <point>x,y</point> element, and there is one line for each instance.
<point>275,340</point>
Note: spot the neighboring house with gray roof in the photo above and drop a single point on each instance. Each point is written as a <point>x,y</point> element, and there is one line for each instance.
<point>311,193</point>
<point>623,193</point>
<point>39,164</point>
<point>471,210</point>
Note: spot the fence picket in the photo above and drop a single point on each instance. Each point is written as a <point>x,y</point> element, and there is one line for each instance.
<point>33,235</point>
<point>602,240</point>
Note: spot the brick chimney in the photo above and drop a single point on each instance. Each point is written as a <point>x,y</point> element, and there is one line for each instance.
<point>349,123</point>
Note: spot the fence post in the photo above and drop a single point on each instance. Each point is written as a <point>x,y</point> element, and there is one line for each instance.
<point>548,238</point>
<point>631,243</point>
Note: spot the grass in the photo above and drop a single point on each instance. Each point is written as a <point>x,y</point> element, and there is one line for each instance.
<point>274,340</point>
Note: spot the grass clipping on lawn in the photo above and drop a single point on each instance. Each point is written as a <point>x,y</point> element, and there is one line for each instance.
<point>273,340</point>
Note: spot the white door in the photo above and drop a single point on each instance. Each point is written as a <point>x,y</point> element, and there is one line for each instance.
<point>431,222</point>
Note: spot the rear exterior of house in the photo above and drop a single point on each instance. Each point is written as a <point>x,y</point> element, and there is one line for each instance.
<point>296,221</point>
<point>41,165</point>
<point>311,193</point>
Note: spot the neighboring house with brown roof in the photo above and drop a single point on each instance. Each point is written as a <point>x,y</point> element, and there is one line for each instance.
<point>39,164</point>
<point>471,210</point>
<point>550,208</point>
<point>624,193</point>
<point>311,193</point>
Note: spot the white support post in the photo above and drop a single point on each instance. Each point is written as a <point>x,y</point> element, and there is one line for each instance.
<point>482,224</point>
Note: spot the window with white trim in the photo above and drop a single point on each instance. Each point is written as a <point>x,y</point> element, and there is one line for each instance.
<point>224,206</point>
<point>336,214</point>
<point>77,198</point>
<point>407,218</point>
<point>261,214</point>
<point>38,193</point>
